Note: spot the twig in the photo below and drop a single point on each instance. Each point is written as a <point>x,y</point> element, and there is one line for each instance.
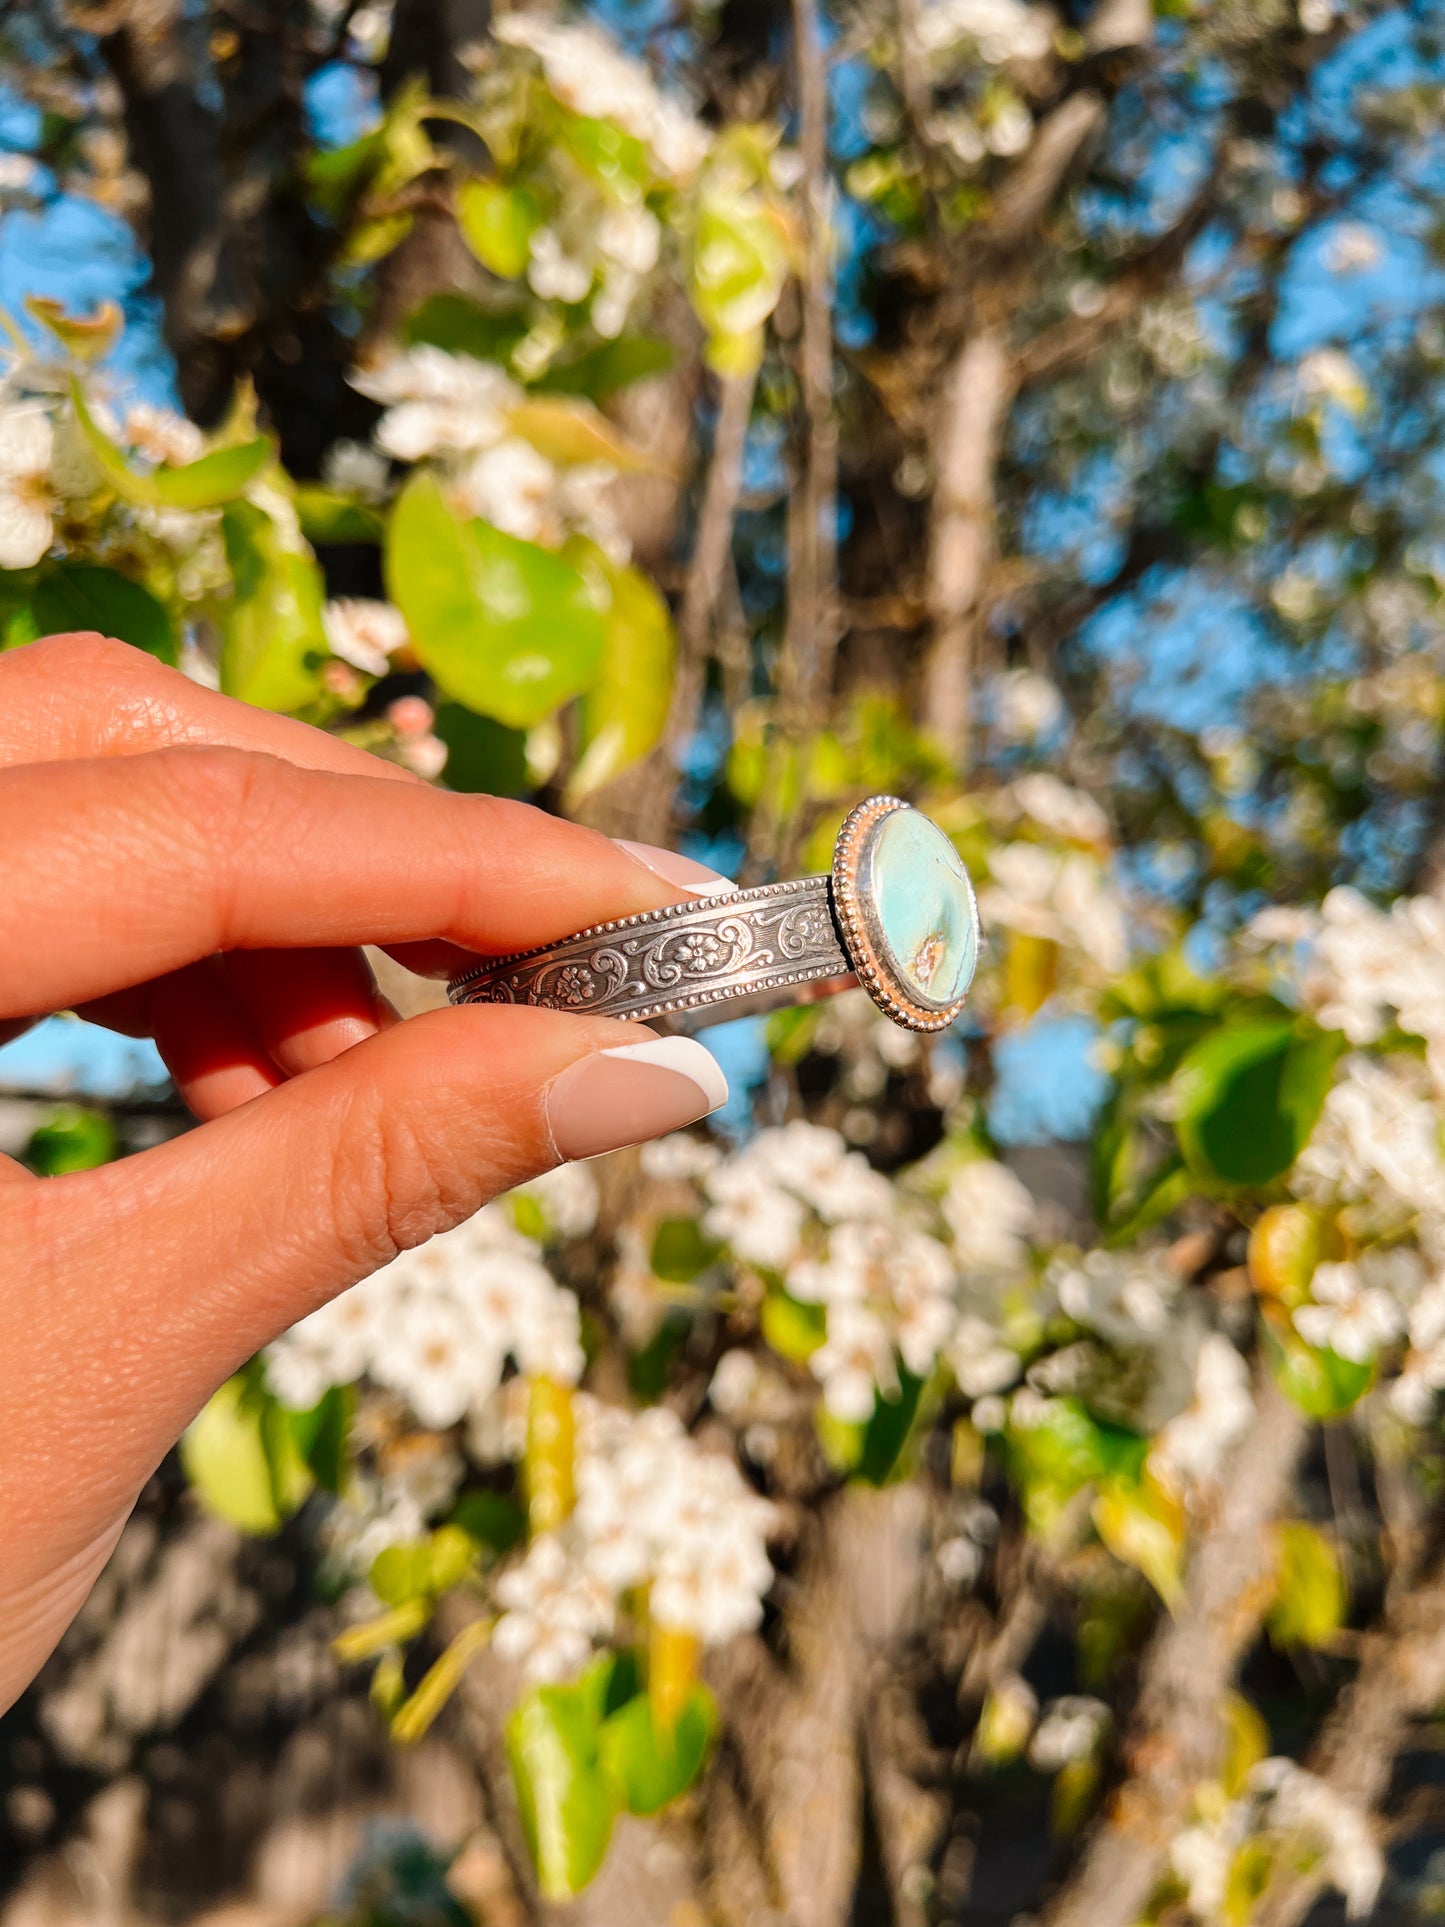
<point>812,639</point>
<point>707,577</point>
<point>1175,1740</point>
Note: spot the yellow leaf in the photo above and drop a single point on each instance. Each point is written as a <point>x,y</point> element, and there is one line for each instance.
<point>570,432</point>
<point>1144,1526</point>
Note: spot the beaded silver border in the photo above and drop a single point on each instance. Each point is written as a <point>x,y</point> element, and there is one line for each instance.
<point>863,936</point>
<point>612,969</point>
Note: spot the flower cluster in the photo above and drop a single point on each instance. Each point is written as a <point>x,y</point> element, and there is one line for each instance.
<point>584,70</point>
<point>438,1325</point>
<point>1061,896</point>
<point>459,414</point>
<point>658,1520</point>
<point>1291,1812</point>
<point>1358,969</point>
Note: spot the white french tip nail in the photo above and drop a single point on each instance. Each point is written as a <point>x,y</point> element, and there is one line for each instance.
<point>685,1056</point>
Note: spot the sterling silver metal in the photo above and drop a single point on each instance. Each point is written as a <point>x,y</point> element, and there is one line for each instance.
<point>707,961</point>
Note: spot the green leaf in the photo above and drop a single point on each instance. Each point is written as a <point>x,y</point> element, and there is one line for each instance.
<point>651,1767</point>
<point>401,1573</point>
<point>497,224</point>
<point>423,1568</point>
<point>329,515</point>
<point>503,626</point>
<point>210,482</point>
<point>72,1138</point>
<point>452,322</point>
<point>83,595</point>
<point>1317,1380</point>
<point>1065,1450</point>
<point>566,1800</point>
<point>272,640</point>
<point>625,712</point>
<point>793,1330</point>
<point>740,263</point>
<point>1248,1095</point>
<point>886,1432</point>
<point>243,1464</point>
<point>680,1251</point>
<point>618,162</point>
<point>1309,1607</point>
<point>610,366</point>
<point>490,1519</point>
<point>322,1436</point>
<point>482,755</point>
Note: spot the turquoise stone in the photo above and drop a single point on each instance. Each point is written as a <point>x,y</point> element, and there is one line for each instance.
<point>923,902</point>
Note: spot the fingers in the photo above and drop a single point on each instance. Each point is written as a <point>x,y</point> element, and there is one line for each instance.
<point>156,1277</point>
<point>72,697</point>
<point>208,1041</point>
<point>178,854</point>
<point>307,1006</point>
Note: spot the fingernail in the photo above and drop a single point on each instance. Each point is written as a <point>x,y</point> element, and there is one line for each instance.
<point>696,878</point>
<point>632,1092</point>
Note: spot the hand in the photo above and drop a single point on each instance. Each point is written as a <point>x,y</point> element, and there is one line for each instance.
<point>179,866</point>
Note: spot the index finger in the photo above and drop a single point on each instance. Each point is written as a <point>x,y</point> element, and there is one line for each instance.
<point>72,697</point>
<point>122,870</point>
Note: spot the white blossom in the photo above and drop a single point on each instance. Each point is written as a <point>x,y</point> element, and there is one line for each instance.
<point>990,1213</point>
<point>761,1222</point>
<point>1069,813</point>
<point>568,1197</point>
<point>437,403</point>
<point>981,1362</point>
<point>1125,1296</point>
<point>587,73</point>
<point>438,1324</point>
<point>509,485</point>
<point>1349,1315</point>
<point>354,469</point>
<point>1070,1728</point>
<point>555,1611</point>
<point>854,1361</point>
<point>1192,1448</point>
<point>1377,1133</point>
<point>162,435</point>
<point>1001,30</point>
<point>27,442</point>
<point>1025,705</point>
<point>1059,895</point>
<point>365,633</point>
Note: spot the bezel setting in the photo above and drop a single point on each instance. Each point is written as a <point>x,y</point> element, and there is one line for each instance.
<point>863,936</point>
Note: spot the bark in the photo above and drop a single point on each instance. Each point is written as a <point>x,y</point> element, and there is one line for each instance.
<point>214,117</point>
<point>1401,1679</point>
<point>977,394</point>
<point>1174,1740</point>
<point>784,1806</point>
<point>813,632</point>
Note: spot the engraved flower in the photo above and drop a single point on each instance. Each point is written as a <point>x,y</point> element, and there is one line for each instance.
<point>573,986</point>
<point>701,952</point>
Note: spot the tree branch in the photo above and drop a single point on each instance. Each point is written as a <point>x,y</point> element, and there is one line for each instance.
<point>1174,1740</point>
<point>977,393</point>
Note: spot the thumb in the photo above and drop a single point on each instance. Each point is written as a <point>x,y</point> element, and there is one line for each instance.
<point>133,1291</point>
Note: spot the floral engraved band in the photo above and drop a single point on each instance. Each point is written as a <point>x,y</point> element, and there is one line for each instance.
<point>896,914</point>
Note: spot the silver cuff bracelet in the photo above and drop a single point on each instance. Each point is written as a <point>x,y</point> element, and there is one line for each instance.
<point>896,914</point>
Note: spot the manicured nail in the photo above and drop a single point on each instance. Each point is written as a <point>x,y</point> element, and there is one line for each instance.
<point>696,878</point>
<point>632,1092</point>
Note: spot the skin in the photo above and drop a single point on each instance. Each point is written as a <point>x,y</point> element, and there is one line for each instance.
<point>178,866</point>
